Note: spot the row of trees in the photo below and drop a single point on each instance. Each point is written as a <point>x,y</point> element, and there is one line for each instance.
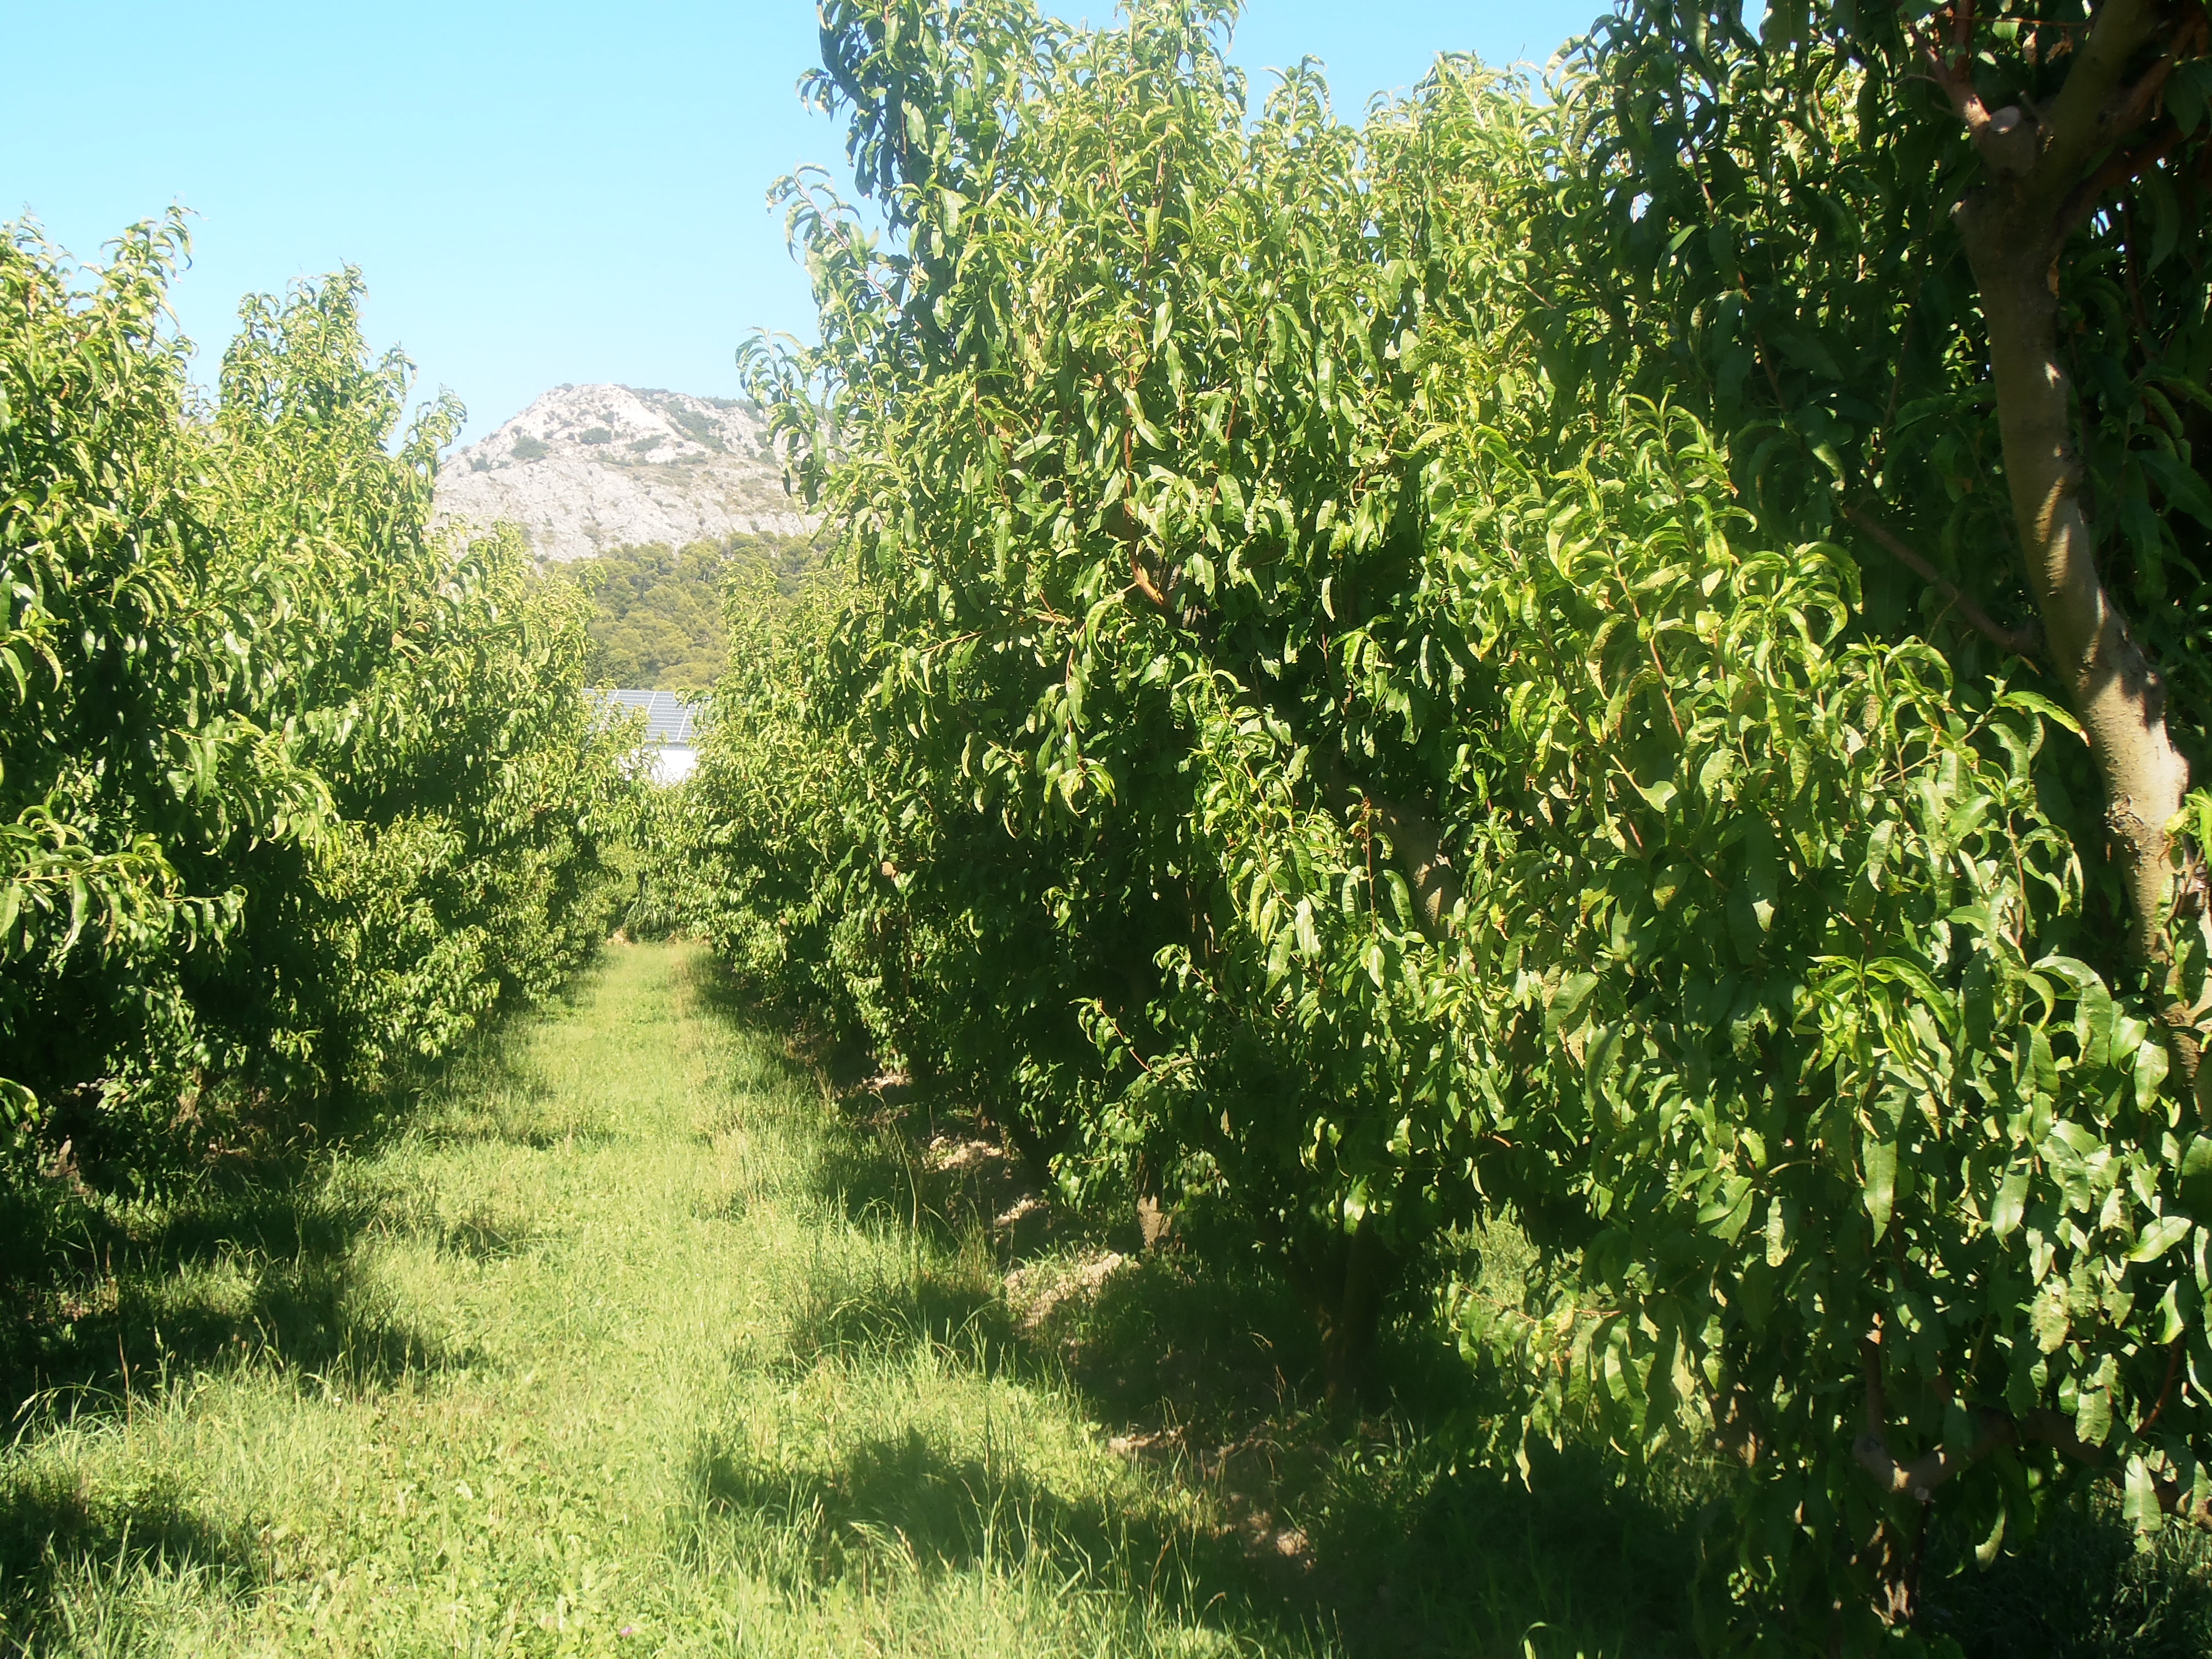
<point>292,790</point>
<point>1614,654</point>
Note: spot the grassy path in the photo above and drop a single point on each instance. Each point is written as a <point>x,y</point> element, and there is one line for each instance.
<point>622,1343</point>
<point>527,1384</point>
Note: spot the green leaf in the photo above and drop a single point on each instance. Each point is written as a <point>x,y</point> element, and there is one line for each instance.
<point>1729,1209</point>
<point>2150,1069</point>
<point>2093,1415</point>
<point>2011,1200</point>
<point>2161,1236</point>
<point>2171,1323</point>
<point>2185,93</point>
<point>2048,1316</point>
<point>2181,487</point>
<point>1985,1551</point>
<point>18,1104</point>
<point>1566,1002</point>
<point>2197,1176</point>
<point>1752,901</point>
<point>1777,1232</point>
<point>1901,971</point>
<point>2042,705</point>
<point>2140,1507</point>
<point>1878,1186</point>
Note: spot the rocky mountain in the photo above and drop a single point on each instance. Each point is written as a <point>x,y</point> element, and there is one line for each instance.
<point>588,467</point>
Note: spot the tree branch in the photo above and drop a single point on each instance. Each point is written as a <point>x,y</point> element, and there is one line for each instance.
<point>1956,80</point>
<point>2056,1430</point>
<point>1735,1421</point>
<point>1920,1478</point>
<point>2117,170</point>
<point>1416,840</point>
<point>2082,118</point>
<point>1417,843</point>
<point>1962,35</point>
<point>2172,1371</point>
<point>1993,1429</point>
<point>2020,641</point>
<point>2175,1501</point>
<point>2136,104</point>
<point>1143,582</point>
<point>1129,532</point>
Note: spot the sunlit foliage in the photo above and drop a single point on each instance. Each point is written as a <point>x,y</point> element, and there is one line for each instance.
<point>1353,710</point>
<point>292,791</point>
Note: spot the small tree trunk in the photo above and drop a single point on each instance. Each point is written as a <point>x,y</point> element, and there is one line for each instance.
<point>1032,1149</point>
<point>1898,1561</point>
<point>2116,693</point>
<point>1345,1282</point>
<point>2047,168</point>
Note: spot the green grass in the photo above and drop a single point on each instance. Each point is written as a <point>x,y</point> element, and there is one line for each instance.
<point>627,1338</point>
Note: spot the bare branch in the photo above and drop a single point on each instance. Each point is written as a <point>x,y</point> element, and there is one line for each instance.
<point>2056,1430</point>
<point>1922,1477</point>
<point>1962,34</point>
<point>1140,580</point>
<point>2047,1428</point>
<point>1993,1430</point>
<point>1417,844</point>
<point>1417,841</point>
<point>2172,1371</point>
<point>1129,531</point>
<point>2020,641</point>
<point>1735,1421</point>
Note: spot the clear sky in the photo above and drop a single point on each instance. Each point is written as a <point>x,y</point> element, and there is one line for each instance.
<point>536,193</point>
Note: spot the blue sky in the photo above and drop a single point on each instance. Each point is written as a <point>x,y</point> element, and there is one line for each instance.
<point>540,193</point>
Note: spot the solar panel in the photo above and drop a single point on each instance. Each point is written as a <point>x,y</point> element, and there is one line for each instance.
<point>669,724</point>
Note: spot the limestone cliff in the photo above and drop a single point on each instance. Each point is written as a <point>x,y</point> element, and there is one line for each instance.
<point>588,467</point>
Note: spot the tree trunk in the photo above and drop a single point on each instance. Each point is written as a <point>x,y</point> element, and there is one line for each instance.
<point>2116,693</point>
<point>1344,1282</point>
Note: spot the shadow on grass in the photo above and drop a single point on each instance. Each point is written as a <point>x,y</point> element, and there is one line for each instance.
<point>105,1298</point>
<point>1458,1568</point>
<point>1211,1370</point>
<point>484,1236</point>
<point>255,1272</point>
<point>1203,1371</point>
<point>843,1317</point>
<point>865,1161</point>
<point>2084,1587</point>
<point>902,1504</point>
<point>49,1530</point>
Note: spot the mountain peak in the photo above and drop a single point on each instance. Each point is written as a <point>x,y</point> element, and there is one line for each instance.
<point>588,467</point>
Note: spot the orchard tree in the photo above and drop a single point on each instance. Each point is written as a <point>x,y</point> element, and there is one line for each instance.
<point>293,787</point>
<point>1940,275</point>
